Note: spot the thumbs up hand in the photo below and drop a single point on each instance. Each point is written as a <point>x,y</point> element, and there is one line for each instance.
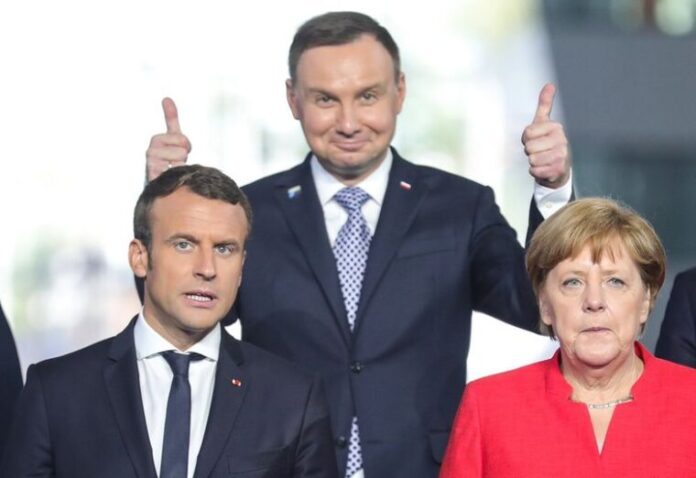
<point>168,149</point>
<point>546,144</point>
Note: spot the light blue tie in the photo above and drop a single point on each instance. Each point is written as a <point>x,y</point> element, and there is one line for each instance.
<point>350,250</point>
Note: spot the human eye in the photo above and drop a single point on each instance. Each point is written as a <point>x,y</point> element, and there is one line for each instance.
<point>182,245</point>
<point>368,97</point>
<point>616,282</point>
<point>225,249</point>
<point>324,100</point>
<point>571,283</point>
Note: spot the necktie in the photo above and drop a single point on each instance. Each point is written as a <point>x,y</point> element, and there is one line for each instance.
<point>175,447</point>
<point>350,250</point>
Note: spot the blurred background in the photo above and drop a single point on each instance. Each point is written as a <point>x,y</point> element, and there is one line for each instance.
<point>80,97</point>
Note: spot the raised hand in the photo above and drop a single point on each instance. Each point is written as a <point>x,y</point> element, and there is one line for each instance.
<point>168,149</point>
<point>546,144</point>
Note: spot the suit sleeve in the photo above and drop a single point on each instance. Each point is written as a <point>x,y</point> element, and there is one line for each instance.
<point>677,340</point>
<point>535,220</point>
<point>464,455</point>
<point>28,452</point>
<point>315,456</point>
<point>500,286</point>
<point>10,379</point>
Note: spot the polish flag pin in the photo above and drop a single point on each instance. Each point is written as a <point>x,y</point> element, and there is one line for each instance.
<point>236,382</point>
<point>405,186</point>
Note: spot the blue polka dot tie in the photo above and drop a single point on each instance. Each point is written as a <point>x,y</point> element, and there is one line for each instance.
<point>350,249</point>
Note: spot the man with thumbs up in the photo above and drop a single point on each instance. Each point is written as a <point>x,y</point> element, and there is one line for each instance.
<point>365,267</point>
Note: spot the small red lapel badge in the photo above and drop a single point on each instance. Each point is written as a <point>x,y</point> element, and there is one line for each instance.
<point>236,382</point>
<point>404,185</point>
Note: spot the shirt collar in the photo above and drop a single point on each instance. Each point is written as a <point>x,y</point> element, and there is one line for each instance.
<point>149,343</point>
<point>375,184</point>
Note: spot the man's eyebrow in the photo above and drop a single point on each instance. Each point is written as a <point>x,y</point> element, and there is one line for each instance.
<point>315,90</point>
<point>228,242</point>
<point>179,235</point>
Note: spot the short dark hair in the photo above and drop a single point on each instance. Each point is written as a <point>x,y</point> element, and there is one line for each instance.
<point>208,182</point>
<point>339,28</point>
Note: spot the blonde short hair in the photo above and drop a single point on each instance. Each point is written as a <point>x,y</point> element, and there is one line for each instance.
<point>597,223</point>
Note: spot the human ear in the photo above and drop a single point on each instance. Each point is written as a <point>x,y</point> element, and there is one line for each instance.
<point>293,101</point>
<point>138,258</point>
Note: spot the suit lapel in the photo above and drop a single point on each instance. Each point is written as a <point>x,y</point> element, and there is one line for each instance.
<point>404,194</point>
<point>305,218</point>
<point>231,384</point>
<point>123,388</point>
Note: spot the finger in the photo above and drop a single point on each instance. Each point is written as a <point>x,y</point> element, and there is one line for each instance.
<point>545,174</point>
<point>168,153</point>
<point>557,157</point>
<point>155,168</point>
<point>171,116</point>
<point>539,130</point>
<point>170,139</point>
<point>545,105</point>
<point>542,144</point>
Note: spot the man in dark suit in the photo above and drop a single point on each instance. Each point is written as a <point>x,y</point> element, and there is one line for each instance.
<point>10,378</point>
<point>173,395</point>
<point>677,340</point>
<point>365,267</point>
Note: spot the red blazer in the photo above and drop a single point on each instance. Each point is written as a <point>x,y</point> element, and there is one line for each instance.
<point>522,423</point>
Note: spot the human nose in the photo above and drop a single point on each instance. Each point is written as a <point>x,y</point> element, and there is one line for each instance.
<point>347,121</point>
<point>204,266</point>
<point>594,300</point>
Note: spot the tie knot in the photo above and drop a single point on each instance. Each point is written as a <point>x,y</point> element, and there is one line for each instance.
<point>351,199</point>
<point>180,362</point>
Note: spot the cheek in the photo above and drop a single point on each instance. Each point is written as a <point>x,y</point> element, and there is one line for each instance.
<point>317,121</point>
<point>381,119</point>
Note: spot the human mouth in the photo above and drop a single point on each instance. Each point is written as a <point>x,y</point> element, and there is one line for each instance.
<point>350,146</point>
<point>596,329</point>
<point>200,298</point>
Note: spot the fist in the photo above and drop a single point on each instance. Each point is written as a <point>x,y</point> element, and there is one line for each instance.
<point>546,145</point>
<point>168,149</point>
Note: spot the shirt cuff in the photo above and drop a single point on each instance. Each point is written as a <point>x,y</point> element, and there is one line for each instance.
<point>548,200</point>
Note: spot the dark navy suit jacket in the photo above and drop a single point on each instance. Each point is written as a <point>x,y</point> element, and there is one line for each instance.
<point>677,341</point>
<point>10,379</point>
<point>440,250</point>
<point>81,415</point>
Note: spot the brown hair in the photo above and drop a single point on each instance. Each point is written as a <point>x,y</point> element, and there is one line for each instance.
<point>207,182</point>
<point>339,28</point>
<point>597,223</point>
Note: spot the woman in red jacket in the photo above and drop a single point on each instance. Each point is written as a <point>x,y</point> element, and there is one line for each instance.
<point>602,406</point>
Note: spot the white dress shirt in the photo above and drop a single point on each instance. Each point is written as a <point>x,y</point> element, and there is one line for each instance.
<point>155,376</point>
<point>327,186</point>
<point>547,200</point>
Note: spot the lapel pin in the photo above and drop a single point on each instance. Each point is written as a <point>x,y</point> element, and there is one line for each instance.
<point>236,382</point>
<point>405,186</point>
<point>294,191</point>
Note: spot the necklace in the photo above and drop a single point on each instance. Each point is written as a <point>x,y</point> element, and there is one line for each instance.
<point>613,403</point>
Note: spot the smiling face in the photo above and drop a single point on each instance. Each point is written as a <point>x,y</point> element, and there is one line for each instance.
<point>347,100</point>
<point>194,267</point>
<point>596,309</point>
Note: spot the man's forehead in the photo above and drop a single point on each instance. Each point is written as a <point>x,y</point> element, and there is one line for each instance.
<point>360,63</point>
<point>363,46</point>
<point>184,207</point>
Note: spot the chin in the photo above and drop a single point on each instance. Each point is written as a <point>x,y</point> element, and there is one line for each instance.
<point>598,356</point>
